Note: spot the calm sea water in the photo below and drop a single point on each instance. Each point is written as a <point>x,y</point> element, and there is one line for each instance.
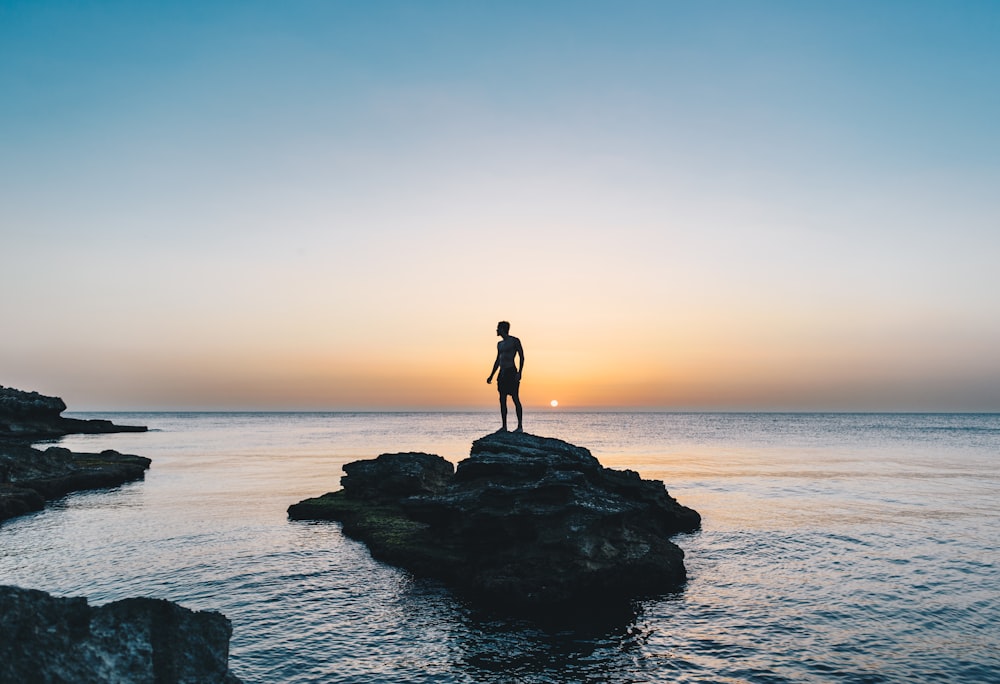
<point>834,548</point>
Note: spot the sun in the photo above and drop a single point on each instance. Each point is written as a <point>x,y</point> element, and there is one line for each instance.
<point>553,403</point>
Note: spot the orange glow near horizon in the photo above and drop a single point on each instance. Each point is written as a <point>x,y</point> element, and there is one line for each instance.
<point>756,378</point>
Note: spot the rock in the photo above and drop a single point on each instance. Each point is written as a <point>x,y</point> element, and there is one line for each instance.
<point>527,524</point>
<point>48,639</point>
<point>391,476</point>
<point>29,477</point>
<point>15,402</point>
<point>27,416</point>
<point>56,472</point>
<point>15,501</point>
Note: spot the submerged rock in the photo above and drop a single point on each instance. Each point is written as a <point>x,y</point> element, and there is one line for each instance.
<point>32,416</point>
<point>48,639</point>
<point>526,523</point>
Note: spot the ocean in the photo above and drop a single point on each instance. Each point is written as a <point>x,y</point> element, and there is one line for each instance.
<point>834,548</point>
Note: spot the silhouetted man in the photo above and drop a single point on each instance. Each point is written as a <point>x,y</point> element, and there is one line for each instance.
<point>509,379</point>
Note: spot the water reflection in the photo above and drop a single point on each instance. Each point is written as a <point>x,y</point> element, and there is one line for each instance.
<point>507,650</point>
<point>481,646</point>
<point>390,626</point>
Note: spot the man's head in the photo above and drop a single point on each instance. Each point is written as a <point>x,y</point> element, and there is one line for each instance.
<point>503,328</point>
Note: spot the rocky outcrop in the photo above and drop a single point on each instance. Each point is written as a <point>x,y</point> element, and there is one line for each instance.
<point>29,477</point>
<point>526,523</point>
<point>27,416</point>
<point>48,639</point>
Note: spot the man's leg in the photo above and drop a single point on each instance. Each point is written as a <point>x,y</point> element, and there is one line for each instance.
<point>515,395</point>
<point>503,410</point>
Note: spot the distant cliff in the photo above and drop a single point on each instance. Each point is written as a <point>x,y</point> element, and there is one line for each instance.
<point>526,524</point>
<point>44,638</point>
<point>32,416</point>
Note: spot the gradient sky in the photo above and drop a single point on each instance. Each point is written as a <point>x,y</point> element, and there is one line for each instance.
<point>329,205</point>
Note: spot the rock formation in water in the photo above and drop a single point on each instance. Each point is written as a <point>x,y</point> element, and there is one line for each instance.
<point>48,639</point>
<point>29,477</point>
<point>29,416</point>
<point>527,524</point>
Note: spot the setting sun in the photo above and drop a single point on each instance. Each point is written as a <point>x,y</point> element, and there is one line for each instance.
<point>553,403</point>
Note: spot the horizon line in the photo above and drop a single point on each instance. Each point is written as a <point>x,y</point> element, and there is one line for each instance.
<point>547,409</point>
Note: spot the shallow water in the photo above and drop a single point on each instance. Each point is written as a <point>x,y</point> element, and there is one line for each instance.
<point>834,548</point>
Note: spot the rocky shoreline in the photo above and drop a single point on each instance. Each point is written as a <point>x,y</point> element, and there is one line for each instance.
<point>526,524</point>
<point>44,638</point>
<point>29,477</point>
<point>30,416</point>
<point>51,639</point>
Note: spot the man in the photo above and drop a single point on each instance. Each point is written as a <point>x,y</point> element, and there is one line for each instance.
<point>509,379</point>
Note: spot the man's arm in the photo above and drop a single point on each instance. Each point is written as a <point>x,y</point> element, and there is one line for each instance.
<point>520,352</point>
<point>496,364</point>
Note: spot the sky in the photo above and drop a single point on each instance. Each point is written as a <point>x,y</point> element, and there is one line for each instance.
<point>328,205</point>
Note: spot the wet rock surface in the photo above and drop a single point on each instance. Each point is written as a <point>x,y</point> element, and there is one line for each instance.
<point>526,524</point>
<point>44,638</point>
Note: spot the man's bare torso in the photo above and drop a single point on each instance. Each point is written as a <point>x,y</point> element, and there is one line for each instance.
<point>506,349</point>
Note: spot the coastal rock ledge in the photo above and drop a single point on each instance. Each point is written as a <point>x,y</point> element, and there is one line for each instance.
<point>29,477</point>
<point>26,416</point>
<point>526,524</point>
<point>44,638</point>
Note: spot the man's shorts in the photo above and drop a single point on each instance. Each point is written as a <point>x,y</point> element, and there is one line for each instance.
<point>508,381</point>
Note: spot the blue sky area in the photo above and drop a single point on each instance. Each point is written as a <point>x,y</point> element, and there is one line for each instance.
<point>711,205</point>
